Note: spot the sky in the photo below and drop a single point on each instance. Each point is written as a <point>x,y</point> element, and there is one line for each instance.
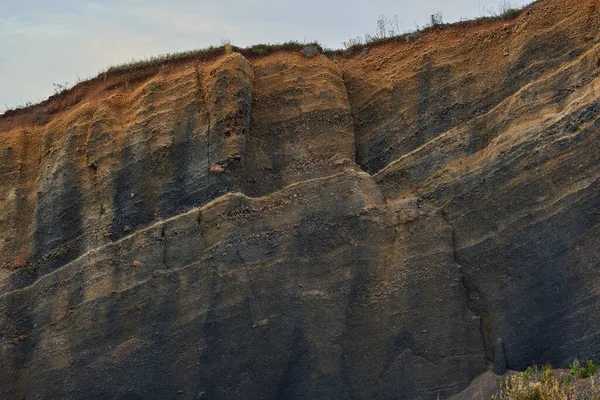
<point>46,42</point>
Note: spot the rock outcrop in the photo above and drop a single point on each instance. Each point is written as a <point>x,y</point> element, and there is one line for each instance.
<point>380,226</point>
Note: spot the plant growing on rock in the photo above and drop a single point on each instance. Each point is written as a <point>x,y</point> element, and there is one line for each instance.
<point>60,87</point>
<point>583,371</point>
<point>546,384</point>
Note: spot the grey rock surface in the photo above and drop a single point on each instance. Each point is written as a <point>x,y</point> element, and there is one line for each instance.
<point>391,225</point>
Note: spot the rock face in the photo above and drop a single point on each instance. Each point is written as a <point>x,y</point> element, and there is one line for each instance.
<point>301,227</point>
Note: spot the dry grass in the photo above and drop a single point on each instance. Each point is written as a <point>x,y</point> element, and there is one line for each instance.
<point>548,384</point>
<point>208,54</point>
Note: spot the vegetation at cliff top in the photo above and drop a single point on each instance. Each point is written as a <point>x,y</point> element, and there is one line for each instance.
<point>580,383</point>
<point>212,52</point>
<point>388,30</point>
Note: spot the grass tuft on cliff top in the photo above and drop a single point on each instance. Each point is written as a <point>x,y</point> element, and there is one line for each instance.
<point>210,53</point>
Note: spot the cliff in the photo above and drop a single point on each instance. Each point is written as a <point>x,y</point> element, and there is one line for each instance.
<point>286,226</point>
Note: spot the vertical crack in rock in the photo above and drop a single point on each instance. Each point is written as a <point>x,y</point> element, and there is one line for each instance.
<point>201,229</point>
<point>352,111</point>
<point>485,338</point>
<point>202,105</point>
<point>164,246</point>
<point>352,117</point>
<point>469,293</point>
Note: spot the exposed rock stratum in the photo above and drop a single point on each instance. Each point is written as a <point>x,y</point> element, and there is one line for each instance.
<point>379,226</point>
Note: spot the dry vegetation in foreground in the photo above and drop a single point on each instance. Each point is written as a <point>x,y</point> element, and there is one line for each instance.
<point>580,383</point>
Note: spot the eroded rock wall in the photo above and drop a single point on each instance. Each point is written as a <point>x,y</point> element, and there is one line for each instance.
<point>293,227</point>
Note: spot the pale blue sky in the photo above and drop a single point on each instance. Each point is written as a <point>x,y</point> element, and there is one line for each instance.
<point>57,41</point>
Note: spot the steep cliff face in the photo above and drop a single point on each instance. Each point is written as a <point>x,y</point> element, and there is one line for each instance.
<point>293,227</point>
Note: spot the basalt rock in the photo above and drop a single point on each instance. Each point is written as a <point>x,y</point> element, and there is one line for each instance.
<point>390,225</point>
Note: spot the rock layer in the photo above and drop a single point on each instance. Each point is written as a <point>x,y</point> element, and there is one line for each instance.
<point>293,227</point>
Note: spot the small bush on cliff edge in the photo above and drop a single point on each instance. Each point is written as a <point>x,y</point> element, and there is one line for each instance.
<point>511,13</point>
<point>506,10</point>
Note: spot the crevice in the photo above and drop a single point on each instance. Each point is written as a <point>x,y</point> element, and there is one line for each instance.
<point>203,104</point>
<point>353,118</point>
<point>470,293</point>
<point>252,305</point>
<point>164,243</point>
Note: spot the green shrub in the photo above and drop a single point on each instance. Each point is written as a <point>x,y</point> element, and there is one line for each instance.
<point>529,373</point>
<point>546,373</point>
<point>329,53</point>
<point>260,49</point>
<point>511,13</point>
<point>582,372</point>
